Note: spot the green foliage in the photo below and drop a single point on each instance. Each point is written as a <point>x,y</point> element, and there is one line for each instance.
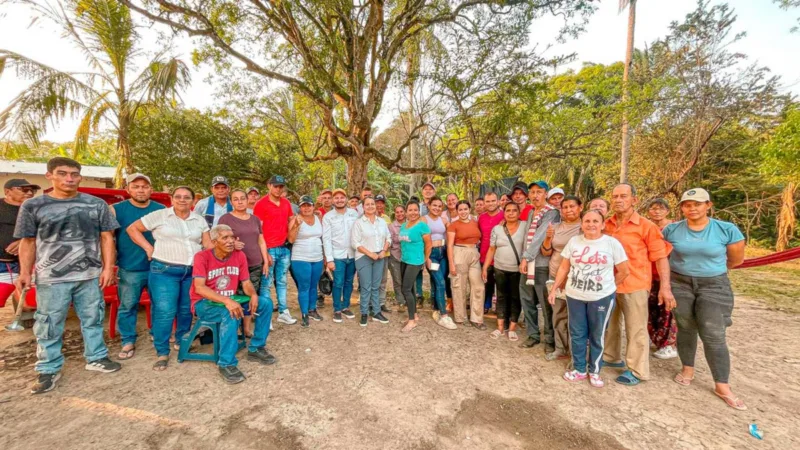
<point>780,155</point>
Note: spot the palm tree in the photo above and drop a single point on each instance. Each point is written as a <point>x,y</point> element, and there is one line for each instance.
<point>626,143</point>
<point>104,31</point>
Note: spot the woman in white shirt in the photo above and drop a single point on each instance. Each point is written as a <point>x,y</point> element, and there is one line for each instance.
<point>305,234</point>
<point>371,239</point>
<point>591,287</point>
<point>179,234</point>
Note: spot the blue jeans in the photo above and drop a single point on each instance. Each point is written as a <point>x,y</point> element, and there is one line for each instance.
<point>307,275</point>
<point>588,322</point>
<point>439,255</point>
<point>228,330</point>
<point>343,276</point>
<point>129,289</point>
<point>277,271</point>
<point>169,286</point>
<point>53,302</point>
<point>370,274</point>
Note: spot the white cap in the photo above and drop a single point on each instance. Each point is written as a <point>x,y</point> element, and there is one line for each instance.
<point>137,176</point>
<point>697,195</point>
<point>555,191</point>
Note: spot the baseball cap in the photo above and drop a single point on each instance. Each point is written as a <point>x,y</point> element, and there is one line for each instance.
<point>137,176</point>
<point>555,191</point>
<point>428,183</point>
<point>339,191</point>
<point>20,182</point>
<point>251,189</point>
<point>542,184</point>
<point>277,180</point>
<point>696,194</point>
<point>521,186</point>
<point>326,191</point>
<point>219,179</point>
<point>306,199</point>
<point>380,198</point>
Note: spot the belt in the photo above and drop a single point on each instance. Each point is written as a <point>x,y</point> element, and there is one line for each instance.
<point>466,245</point>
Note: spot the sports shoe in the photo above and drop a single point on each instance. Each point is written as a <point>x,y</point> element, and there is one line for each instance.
<point>349,314</point>
<point>304,322</point>
<point>667,352</point>
<point>596,381</point>
<point>104,365</point>
<point>380,318</point>
<point>574,376</point>
<point>363,321</point>
<point>447,322</point>
<point>231,374</point>
<point>314,315</point>
<point>337,317</point>
<point>286,317</point>
<point>261,355</point>
<point>45,383</point>
<point>529,343</point>
<point>386,310</point>
<point>270,326</point>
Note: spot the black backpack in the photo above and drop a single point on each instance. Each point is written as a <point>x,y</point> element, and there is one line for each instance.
<point>325,285</point>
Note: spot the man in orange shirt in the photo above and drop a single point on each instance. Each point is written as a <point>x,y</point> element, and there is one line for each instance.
<point>644,245</point>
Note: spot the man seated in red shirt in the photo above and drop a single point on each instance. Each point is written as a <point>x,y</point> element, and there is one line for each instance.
<point>216,275</point>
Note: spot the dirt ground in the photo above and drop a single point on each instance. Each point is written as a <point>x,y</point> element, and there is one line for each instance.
<point>340,386</point>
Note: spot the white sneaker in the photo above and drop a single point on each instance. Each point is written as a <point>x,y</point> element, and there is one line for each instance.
<point>667,352</point>
<point>286,317</point>
<point>447,322</point>
<point>270,327</point>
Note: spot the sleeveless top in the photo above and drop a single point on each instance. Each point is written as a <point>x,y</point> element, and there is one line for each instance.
<point>129,255</point>
<point>438,230</point>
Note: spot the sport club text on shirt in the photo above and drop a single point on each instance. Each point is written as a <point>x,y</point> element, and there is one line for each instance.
<point>587,270</point>
<point>222,281</point>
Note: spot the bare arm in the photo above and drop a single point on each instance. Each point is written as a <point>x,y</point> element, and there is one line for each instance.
<point>426,238</point>
<point>135,231</point>
<point>487,263</point>
<point>109,254</point>
<point>451,241</point>
<point>623,270</point>
<point>665,296</point>
<point>735,254</point>
<point>206,240</point>
<point>27,255</point>
<point>294,228</point>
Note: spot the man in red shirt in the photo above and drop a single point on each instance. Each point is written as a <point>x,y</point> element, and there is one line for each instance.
<point>325,197</point>
<point>275,213</point>
<point>486,221</point>
<point>216,275</point>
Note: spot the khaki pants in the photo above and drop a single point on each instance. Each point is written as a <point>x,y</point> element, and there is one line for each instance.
<point>468,268</point>
<point>561,326</point>
<point>633,308</point>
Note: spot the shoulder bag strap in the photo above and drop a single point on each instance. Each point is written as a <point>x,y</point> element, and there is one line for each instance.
<point>511,241</point>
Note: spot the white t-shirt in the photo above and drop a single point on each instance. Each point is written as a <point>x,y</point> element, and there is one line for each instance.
<point>308,243</point>
<point>591,271</point>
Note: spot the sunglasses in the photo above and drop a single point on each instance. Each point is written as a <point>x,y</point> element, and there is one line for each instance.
<point>27,190</point>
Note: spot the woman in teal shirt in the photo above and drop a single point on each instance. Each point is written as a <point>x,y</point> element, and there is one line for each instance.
<point>415,249</point>
<point>703,251</point>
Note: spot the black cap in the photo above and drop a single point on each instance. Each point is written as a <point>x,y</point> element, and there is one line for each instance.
<point>380,198</point>
<point>277,180</point>
<point>306,199</point>
<point>521,186</point>
<point>219,179</point>
<point>251,189</point>
<point>20,182</point>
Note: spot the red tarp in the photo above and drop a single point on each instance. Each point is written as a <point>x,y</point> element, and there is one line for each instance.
<point>112,196</point>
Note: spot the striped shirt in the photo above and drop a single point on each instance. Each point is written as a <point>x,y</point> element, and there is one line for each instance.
<point>177,240</point>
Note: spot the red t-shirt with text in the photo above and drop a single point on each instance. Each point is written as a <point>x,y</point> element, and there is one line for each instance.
<point>274,220</point>
<point>223,277</point>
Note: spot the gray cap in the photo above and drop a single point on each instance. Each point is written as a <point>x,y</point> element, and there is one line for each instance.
<point>219,179</point>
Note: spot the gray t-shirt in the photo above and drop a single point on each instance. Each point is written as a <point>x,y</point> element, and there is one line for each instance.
<point>504,258</point>
<point>67,233</point>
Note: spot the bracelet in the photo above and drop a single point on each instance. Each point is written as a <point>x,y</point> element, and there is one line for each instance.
<point>547,249</point>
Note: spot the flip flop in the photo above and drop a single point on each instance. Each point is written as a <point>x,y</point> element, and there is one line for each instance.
<point>733,401</point>
<point>683,381</point>
<point>161,365</point>
<point>126,354</point>
<point>496,334</point>
<point>512,336</point>
<point>627,379</point>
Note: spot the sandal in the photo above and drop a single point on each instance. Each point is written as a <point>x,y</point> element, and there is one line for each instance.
<point>496,334</point>
<point>126,354</point>
<point>596,381</point>
<point>683,381</point>
<point>512,336</point>
<point>628,379</point>
<point>161,365</point>
<point>573,376</point>
<point>480,326</point>
<point>733,401</point>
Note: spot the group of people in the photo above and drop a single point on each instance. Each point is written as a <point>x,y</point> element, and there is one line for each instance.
<point>588,271</point>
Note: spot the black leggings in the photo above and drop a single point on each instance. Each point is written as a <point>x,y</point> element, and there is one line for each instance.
<point>507,288</point>
<point>410,273</point>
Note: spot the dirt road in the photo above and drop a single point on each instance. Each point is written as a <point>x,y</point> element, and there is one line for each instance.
<point>340,386</point>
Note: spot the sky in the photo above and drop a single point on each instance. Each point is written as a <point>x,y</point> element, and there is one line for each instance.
<point>768,43</point>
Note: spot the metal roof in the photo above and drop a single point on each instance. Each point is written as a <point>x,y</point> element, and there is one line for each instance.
<point>29,168</point>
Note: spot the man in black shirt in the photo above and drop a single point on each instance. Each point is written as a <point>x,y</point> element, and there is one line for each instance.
<point>16,190</point>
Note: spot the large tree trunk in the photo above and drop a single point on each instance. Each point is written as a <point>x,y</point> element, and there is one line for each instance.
<point>124,150</point>
<point>356,174</point>
<point>626,143</point>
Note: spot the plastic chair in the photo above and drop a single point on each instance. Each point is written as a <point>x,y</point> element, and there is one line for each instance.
<point>186,342</point>
<point>112,300</point>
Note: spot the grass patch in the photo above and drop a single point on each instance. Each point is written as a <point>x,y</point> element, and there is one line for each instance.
<point>778,285</point>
